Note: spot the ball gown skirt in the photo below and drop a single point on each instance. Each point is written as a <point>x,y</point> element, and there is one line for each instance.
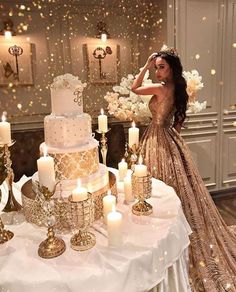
<point>212,255</point>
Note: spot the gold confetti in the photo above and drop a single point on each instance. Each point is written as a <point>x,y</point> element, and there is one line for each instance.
<point>202,264</point>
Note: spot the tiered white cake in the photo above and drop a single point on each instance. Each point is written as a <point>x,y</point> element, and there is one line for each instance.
<point>69,139</point>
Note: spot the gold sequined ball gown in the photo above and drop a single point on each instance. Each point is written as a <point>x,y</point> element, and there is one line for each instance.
<point>212,251</point>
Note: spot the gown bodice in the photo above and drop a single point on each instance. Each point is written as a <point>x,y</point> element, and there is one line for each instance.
<point>162,110</point>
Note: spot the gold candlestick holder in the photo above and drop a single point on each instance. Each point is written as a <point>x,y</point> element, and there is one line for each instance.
<point>131,154</point>
<point>142,190</point>
<point>52,246</point>
<point>104,147</point>
<point>5,235</point>
<point>12,204</point>
<point>81,216</point>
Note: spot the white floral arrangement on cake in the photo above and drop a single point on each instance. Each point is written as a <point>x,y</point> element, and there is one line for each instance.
<point>194,84</point>
<point>128,106</point>
<point>68,81</point>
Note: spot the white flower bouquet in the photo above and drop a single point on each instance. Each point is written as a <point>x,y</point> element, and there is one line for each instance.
<point>68,81</point>
<point>194,84</point>
<point>126,105</point>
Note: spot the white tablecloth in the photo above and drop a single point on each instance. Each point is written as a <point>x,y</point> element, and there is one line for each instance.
<point>154,253</point>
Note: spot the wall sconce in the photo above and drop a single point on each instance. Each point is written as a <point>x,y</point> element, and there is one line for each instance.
<point>7,30</point>
<point>102,34</point>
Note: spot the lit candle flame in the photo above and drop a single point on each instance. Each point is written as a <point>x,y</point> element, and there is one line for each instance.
<point>102,111</point>
<point>89,187</point>
<point>7,34</point>
<point>133,124</point>
<point>113,208</point>
<point>45,151</point>
<point>78,183</point>
<point>4,117</point>
<point>103,37</point>
<point>140,160</point>
<point>109,192</point>
<point>122,160</point>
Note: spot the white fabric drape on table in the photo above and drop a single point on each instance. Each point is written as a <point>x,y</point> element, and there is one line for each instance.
<point>154,252</point>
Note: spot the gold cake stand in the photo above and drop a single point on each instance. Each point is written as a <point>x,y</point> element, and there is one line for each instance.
<point>35,214</point>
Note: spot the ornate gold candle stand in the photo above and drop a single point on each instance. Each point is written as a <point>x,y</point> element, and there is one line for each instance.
<point>131,155</point>
<point>52,246</point>
<point>81,216</point>
<point>104,147</point>
<point>142,190</point>
<point>5,235</point>
<point>12,204</point>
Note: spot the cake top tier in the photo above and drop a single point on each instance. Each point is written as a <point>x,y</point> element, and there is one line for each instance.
<point>68,81</point>
<point>66,95</point>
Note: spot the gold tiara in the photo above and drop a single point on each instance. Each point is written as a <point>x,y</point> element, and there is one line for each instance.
<point>167,50</point>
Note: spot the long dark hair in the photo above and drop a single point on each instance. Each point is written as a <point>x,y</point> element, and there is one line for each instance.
<point>180,93</point>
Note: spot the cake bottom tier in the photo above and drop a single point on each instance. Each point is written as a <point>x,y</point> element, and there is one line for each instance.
<point>34,212</point>
<point>93,182</point>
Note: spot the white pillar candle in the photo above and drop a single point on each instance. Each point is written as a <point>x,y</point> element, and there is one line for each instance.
<point>109,201</point>
<point>128,189</point>
<point>79,193</point>
<point>140,170</point>
<point>123,168</point>
<point>114,228</point>
<point>46,171</point>
<point>5,131</point>
<point>102,122</point>
<point>133,135</point>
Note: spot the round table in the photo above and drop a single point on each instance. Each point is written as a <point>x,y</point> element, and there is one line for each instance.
<point>154,252</point>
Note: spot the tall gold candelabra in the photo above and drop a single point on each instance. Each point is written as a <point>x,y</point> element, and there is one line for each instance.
<point>52,246</point>
<point>12,204</point>
<point>104,147</point>
<point>5,235</point>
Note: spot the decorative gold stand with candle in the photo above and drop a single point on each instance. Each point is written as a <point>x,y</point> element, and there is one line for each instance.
<point>142,190</point>
<point>104,147</point>
<point>81,216</point>
<point>35,214</point>
<point>131,148</point>
<point>131,154</point>
<point>12,204</point>
<point>52,246</point>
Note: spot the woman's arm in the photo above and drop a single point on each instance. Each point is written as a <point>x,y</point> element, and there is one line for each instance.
<point>137,84</point>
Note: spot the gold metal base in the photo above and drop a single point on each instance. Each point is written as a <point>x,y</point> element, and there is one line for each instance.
<point>51,248</point>
<point>82,241</point>
<point>5,236</point>
<point>142,208</point>
<point>12,204</point>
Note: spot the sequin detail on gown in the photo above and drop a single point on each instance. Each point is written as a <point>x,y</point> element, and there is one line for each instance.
<point>212,265</point>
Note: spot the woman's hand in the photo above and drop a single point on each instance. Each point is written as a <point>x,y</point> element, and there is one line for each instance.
<point>152,89</point>
<point>151,60</point>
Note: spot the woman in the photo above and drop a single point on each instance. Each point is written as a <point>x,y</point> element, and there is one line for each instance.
<point>213,244</point>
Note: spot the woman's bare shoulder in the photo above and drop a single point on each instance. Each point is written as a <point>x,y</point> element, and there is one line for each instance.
<point>149,89</point>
